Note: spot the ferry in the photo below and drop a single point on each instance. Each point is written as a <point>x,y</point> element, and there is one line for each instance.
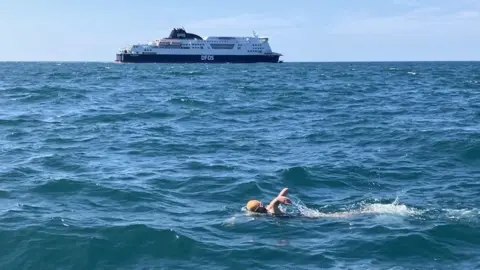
<point>183,47</point>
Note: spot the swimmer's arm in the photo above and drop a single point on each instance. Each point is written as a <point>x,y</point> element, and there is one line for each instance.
<point>283,192</point>
<point>272,208</point>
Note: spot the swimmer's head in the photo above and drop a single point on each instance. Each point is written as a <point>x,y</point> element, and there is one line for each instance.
<point>256,206</point>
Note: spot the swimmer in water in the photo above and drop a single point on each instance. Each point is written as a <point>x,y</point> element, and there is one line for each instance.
<point>272,208</point>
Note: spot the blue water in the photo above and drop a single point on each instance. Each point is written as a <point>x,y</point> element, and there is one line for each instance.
<point>120,166</point>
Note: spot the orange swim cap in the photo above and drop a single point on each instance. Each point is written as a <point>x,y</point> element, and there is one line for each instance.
<point>253,205</point>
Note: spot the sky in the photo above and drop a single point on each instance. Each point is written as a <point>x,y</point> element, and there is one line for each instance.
<point>302,30</point>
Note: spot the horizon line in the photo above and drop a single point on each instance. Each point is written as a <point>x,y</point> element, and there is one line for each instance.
<point>283,61</point>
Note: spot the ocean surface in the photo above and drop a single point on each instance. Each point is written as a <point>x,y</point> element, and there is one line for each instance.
<point>124,166</point>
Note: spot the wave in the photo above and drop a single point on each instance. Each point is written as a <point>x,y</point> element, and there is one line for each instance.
<point>62,186</point>
<point>116,247</point>
<point>189,101</point>
<point>471,152</point>
<point>118,117</point>
<point>37,94</point>
<point>21,120</point>
<point>4,194</point>
<point>185,73</point>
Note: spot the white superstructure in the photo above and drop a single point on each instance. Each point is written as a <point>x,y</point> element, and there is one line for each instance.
<point>253,45</point>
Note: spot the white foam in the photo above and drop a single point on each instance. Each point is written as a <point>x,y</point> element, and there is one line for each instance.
<point>313,213</point>
<point>458,214</point>
<point>229,222</point>
<point>240,218</point>
<point>64,223</point>
<point>393,208</point>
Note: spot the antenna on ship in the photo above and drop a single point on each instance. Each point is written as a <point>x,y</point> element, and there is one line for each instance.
<point>255,34</point>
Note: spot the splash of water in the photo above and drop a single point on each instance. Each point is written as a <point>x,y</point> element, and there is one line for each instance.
<point>394,208</point>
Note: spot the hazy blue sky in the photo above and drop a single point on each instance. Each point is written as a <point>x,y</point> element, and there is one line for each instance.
<point>303,30</point>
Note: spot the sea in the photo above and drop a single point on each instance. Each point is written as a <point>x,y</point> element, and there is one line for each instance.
<point>106,165</point>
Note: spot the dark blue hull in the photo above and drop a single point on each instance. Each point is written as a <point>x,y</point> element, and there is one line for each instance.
<point>165,58</point>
